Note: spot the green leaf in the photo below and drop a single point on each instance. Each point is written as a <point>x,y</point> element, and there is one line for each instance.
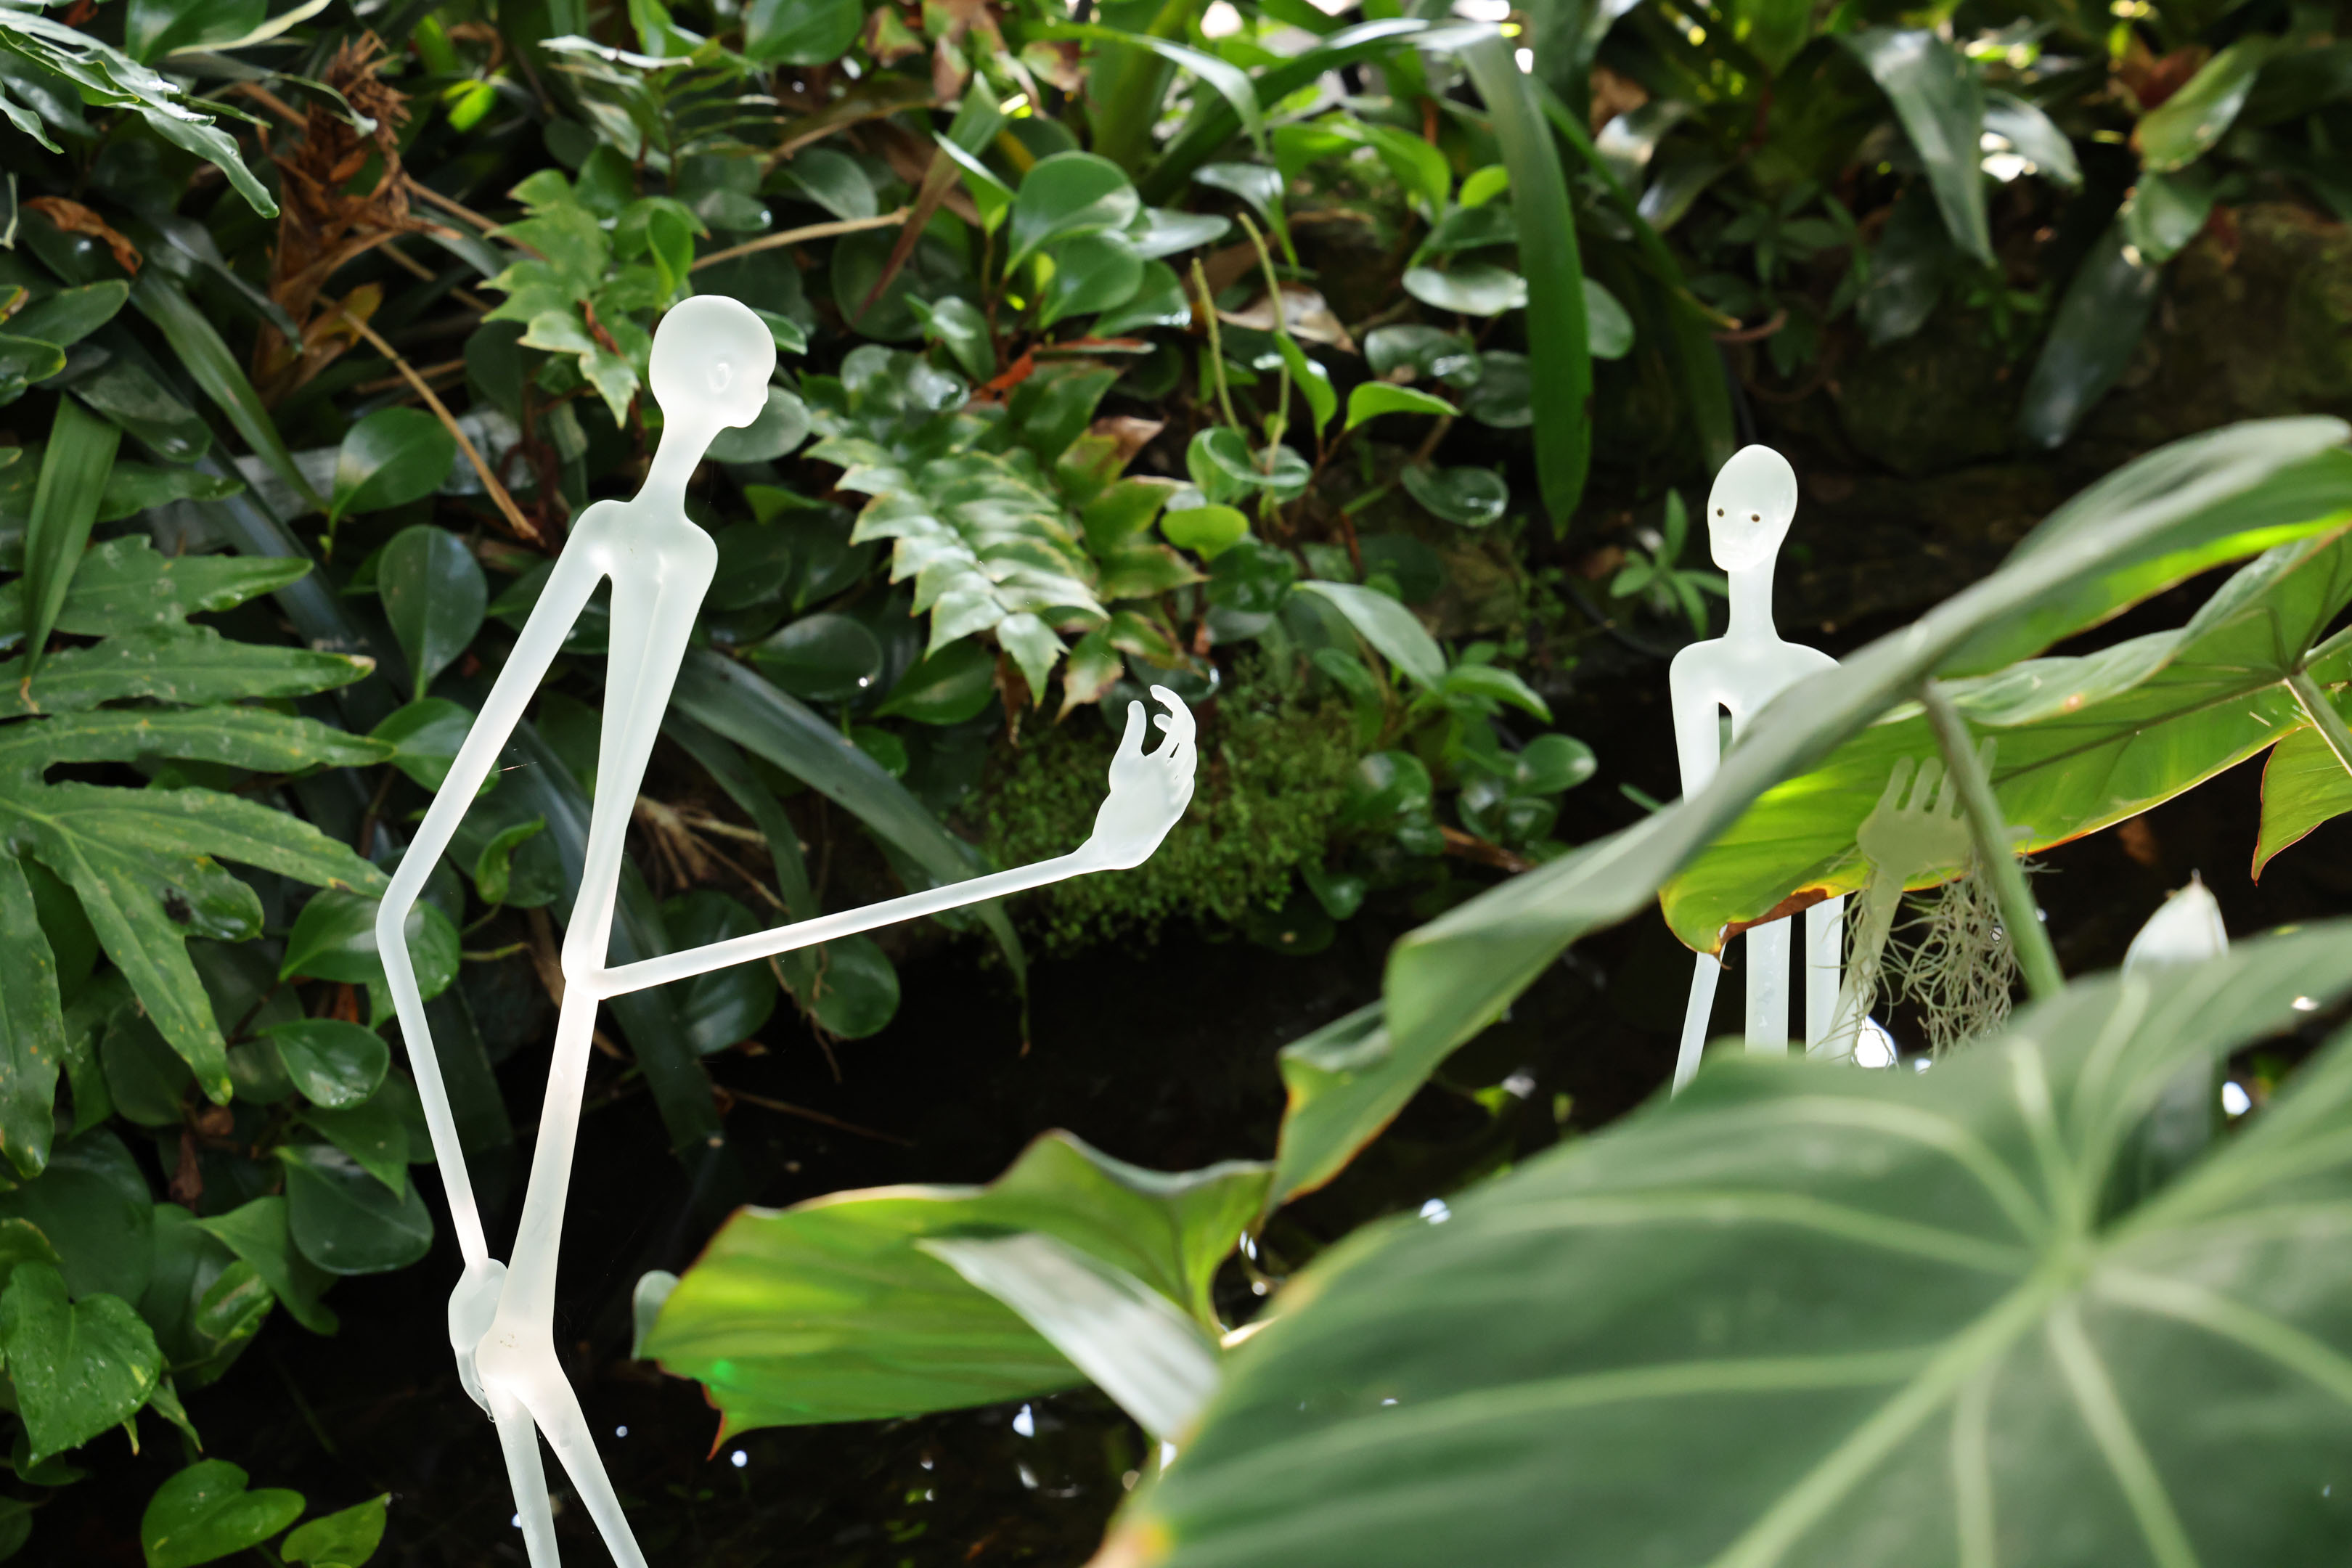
<point>425,736</point>
<point>1066,196</point>
<point>1474,497</point>
<point>1939,98</point>
<point>32,1026</point>
<point>494,867</point>
<point>1551,763</point>
<point>782,426</point>
<point>2304,784</point>
<point>855,988</point>
<point>392,457</point>
<point>724,1005</point>
<point>1344,1085</point>
<point>25,361</point>
<point>147,1083</point>
<point>344,1220</point>
<point>373,1134</point>
<point>154,27</point>
<point>800,32</point>
<point>2163,213</point>
<point>823,658</point>
<point>2034,137</point>
<point>1392,630</point>
<point>1373,398</point>
<point>947,688</point>
<point>1159,301</point>
<point>434,592</point>
<point>1222,465</point>
<point>258,1233</point>
<point>69,315</point>
<point>958,322</point>
<point>849,1319</point>
<point>79,1367</point>
<point>755,715</point>
<point>1957,1298</point>
<point>334,1064</point>
<point>1471,288</point>
<point>199,348</point>
<point>1208,530</point>
<point>1229,81</point>
<point>133,488</point>
<point>2097,325</point>
<point>343,1540</point>
<point>1093,272</point>
<point>74,467</point>
<point>205,1513</point>
<point>1448,979</point>
<point>2190,123</point>
<point>185,665</point>
<point>1421,352</point>
<point>124,586</point>
<point>93,1205</point>
<point>334,939</point>
<point>1608,322</point>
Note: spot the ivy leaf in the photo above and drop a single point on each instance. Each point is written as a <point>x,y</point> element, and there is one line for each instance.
<point>205,1513</point>
<point>343,1540</point>
<point>79,1367</point>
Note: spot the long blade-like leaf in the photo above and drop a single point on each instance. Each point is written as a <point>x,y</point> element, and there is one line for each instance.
<point>74,467</point>
<point>199,343</point>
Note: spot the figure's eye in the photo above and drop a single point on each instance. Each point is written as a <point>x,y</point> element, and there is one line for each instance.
<point>1755,517</point>
<point>1719,511</point>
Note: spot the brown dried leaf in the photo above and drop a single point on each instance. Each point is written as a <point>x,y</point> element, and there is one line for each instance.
<point>75,218</point>
<point>1304,311</point>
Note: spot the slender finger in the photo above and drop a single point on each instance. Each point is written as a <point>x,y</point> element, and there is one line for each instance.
<point>1924,784</point>
<point>1891,798</point>
<point>1179,719</point>
<point>1130,744</point>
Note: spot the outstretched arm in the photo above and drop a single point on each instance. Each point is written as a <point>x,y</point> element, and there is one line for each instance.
<point>575,577</point>
<point>1148,794</point>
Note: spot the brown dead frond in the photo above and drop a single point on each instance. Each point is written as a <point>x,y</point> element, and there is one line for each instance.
<point>324,222</point>
<point>75,218</point>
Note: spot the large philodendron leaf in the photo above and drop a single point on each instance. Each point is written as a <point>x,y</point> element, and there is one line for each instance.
<point>835,1310</point>
<point>1450,978</point>
<point>2081,743</point>
<point>1804,1314</point>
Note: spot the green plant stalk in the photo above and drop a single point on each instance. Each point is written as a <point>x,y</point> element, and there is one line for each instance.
<point>2323,716</point>
<point>1216,349</point>
<point>1560,359</point>
<point>1129,84</point>
<point>1280,422</point>
<point>2044,979</point>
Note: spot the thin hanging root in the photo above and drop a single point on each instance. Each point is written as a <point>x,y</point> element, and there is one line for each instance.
<point>1962,969</point>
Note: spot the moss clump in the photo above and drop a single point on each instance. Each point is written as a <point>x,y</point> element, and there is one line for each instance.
<point>1273,769</point>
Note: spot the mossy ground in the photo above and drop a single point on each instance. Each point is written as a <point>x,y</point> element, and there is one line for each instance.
<point>1274,765</point>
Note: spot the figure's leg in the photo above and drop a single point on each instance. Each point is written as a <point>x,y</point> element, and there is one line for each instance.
<point>520,1441</point>
<point>1704,974</point>
<point>1768,987</point>
<point>557,1410</point>
<point>1824,955</point>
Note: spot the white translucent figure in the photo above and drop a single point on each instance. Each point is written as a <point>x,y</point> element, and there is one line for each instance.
<point>2186,930</point>
<point>711,361</point>
<point>1747,515</point>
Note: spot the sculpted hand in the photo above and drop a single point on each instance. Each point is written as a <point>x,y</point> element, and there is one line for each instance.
<point>1148,792</point>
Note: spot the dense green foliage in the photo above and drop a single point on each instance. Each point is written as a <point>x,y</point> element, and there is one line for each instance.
<point>1326,369</point>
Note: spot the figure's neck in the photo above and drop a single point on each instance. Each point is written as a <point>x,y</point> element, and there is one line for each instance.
<point>682,446</point>
<point>1751,604</point>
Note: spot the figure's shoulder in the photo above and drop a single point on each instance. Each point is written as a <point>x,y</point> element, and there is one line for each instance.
<point>1695,659</point>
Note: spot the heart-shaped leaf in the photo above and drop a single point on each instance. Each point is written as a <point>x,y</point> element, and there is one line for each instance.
<point>79,1367</point>
<point>205,1514</point>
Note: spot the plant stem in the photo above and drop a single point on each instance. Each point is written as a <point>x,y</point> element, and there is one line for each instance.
<point>2018,912</point>
<point>1216,349</point>
<point>1281,420</point>
<point>2323,716</point>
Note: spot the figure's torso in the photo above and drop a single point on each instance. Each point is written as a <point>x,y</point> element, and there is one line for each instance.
<point>1741,675</point>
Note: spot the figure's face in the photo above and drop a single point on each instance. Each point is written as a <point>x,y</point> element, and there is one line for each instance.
<point>712,356</point>
<point>1750,510</point>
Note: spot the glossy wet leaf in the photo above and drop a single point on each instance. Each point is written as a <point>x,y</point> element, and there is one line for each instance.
<point>824,658</point>
<point>1941,102</point>
<point>782,426</point>
<point>1474,497</point>
<point>1374,398</point>
<point>334,1064</point>
<point>855,988</point>
<point>1827,1290</point>
<point>1066,196</point>
<point>2164,213</point>
<point>434,595</point>
<point>392,457</point>
<point>261,1236</point>
<point>830,1310</point>
<point>1413,351</point>
<point>374,1135</point>
<point>205,1513</point>
<point>133,488</point>
<point>2033,136</point>
<point>79,1367</point>
<point>494,869</point>
<point>425,736</point>
<point>32,1026</point>
<point>147,410</point>
<point>2097,327</point>
<point>946,688</point>
<point>800,32</point>
<point>1394,632</point>
<point>1091,273</point>
<point>147,1083</point>
<point>334,939</point>
<point>345,1539</point>
<point>93,1206</point>
<point>1207,531</point>
<point>724,1005</point>
<point>1312,381</point>
<point>69,315</point>
<point>346,1221</point>
<point>2188,124</point>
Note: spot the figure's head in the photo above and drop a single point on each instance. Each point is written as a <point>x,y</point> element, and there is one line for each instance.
<point>712,355</point>
<point>1750,510</point>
